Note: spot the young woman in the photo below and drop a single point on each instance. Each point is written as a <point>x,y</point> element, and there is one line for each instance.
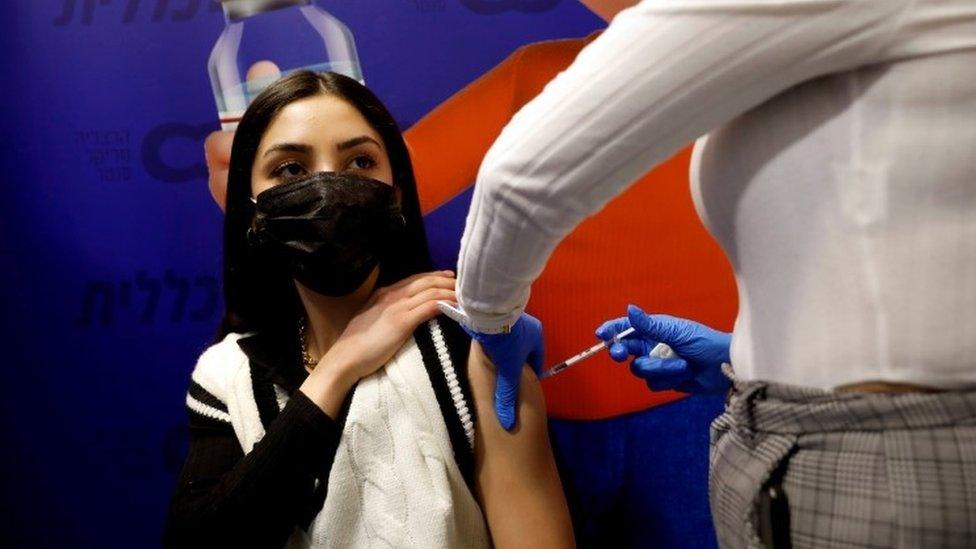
<point>337,408</point>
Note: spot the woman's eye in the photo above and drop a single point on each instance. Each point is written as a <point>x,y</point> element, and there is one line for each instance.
<point>362,162</point>
<point>289,170</point>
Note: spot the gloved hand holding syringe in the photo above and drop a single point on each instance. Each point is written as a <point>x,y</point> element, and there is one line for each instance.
<point>670,353</point>
<point>691,360</point>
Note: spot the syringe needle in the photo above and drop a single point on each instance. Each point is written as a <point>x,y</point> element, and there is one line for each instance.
<point>585,354</point>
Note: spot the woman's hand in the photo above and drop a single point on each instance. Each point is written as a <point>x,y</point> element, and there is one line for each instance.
<point>390,316</point>
<point>375,334</point>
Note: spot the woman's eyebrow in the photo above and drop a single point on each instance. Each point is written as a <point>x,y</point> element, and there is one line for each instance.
<point>350,143</point>
<point>288,147</point>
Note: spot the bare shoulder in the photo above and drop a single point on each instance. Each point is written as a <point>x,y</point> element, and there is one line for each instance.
<point>530,428</point>
<point>515,472</point>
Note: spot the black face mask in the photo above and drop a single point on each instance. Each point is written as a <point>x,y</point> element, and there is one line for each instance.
<point>332,229</point>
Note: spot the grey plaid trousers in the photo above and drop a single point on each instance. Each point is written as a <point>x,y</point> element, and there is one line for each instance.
<point>857,470</point>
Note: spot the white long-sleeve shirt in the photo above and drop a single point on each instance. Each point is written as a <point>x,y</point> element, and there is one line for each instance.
<point>839,176</point>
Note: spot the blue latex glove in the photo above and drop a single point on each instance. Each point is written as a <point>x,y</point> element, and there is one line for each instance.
<point>701,351</point>
<point>509,352</point>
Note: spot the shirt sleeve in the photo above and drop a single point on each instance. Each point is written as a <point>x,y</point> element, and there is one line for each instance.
<point>661,75</point>
<point>225,498</point>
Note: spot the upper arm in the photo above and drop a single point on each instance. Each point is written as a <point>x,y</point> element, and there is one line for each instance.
<point>213,451</point>
<point>515,473</point>
<point>212,454</point>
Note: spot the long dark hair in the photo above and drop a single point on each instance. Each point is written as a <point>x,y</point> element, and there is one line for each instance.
<point>260,295</point>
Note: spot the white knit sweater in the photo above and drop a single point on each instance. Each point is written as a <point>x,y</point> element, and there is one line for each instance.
<point>394,481</point>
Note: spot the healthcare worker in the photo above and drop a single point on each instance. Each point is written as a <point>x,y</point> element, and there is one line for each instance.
<point>838,176</point>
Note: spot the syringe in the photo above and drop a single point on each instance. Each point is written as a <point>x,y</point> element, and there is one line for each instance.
<point>585,354</point>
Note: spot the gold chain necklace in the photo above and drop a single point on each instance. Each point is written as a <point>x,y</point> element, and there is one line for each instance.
<point>307,359</point>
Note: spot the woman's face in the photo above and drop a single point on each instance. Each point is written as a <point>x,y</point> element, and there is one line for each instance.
<point>323,133</point>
